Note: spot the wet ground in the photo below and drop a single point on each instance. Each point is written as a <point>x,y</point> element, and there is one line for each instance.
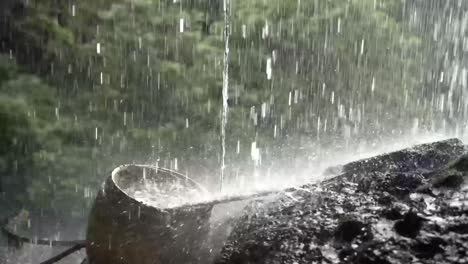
<point>408,206</point>
<point>35,226</point>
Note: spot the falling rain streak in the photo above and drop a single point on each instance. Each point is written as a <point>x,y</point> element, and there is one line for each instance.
<point>225,93</point>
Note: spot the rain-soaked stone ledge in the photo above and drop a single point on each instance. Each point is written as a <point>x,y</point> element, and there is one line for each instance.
<point>409,206</point>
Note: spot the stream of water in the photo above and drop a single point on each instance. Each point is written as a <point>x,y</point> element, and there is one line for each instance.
<point>224,117</point>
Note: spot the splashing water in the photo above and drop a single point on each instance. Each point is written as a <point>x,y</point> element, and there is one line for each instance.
<point>224,117</point>
<point>153,194</point>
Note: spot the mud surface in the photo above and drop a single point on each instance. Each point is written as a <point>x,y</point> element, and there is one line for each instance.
<point>409,206</point>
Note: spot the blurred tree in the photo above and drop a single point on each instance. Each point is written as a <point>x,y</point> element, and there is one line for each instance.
<point>122,81</point>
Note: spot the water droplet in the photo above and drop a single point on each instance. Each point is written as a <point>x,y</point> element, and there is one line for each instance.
<point>181,25</point>
<point>268,69</point>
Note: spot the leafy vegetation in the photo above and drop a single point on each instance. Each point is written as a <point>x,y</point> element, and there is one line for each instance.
<point>99,83</point>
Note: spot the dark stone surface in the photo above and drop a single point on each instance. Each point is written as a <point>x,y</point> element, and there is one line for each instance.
<point>410,225</point>
<point>401,207</point>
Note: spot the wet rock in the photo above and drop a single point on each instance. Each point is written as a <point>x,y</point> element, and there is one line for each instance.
<point>410,225</point>
<point>385,199</point>
<point>459,228</point>
<point>374,212</point>
<point>453,176</point>
<point>425,157</point>
<point>461,164</point>
<point>428,247</point>
<point>369,255</point>
<point>348,230</point>
<point>392,214</point>
<point>451,181</point>
<point>407,181</point>
<point>397,184</point>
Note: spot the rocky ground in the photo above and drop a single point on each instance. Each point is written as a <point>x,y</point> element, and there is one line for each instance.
<point>408,206</point>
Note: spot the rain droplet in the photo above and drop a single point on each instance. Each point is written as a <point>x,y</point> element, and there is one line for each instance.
<point>339,25</point>
<point>181,25</point>
<point>362,47</point>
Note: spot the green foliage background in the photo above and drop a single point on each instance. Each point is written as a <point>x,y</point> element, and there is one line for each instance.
<point>69,113</point>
